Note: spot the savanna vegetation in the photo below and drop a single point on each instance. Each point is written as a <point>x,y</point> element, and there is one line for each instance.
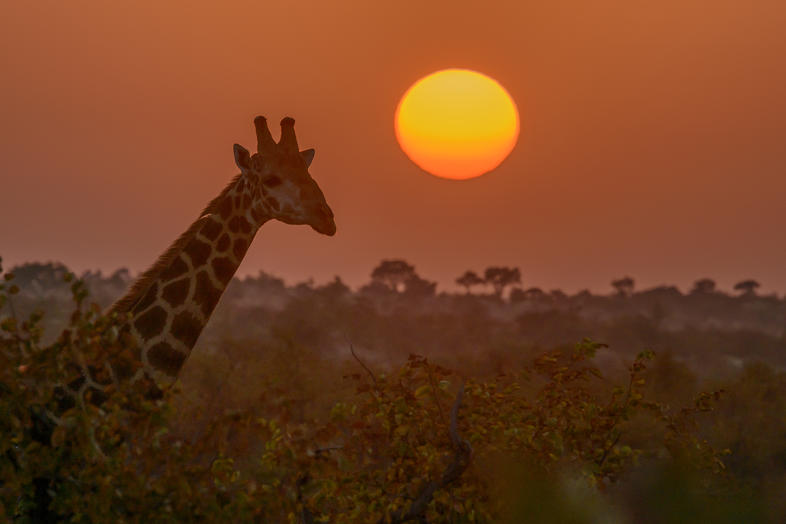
<point>393,403</point>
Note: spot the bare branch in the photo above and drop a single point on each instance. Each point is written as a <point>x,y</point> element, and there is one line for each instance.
<point>371,373</point>
<point>454,437</point>
<point>461,460</point>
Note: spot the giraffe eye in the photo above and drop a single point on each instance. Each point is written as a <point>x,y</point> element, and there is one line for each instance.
<point>271,181</point>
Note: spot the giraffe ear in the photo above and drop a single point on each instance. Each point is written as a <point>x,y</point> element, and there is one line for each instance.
<point>242,157</point>
<point>308,156</point>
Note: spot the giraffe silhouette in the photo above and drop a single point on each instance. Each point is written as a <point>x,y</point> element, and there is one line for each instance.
<point>162,315</point>
<point>166,309</point>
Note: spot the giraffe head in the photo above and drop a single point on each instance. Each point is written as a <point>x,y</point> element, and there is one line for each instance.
<point>284,189</point>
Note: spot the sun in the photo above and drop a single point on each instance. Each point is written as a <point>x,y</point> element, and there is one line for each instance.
<point>457,123</point>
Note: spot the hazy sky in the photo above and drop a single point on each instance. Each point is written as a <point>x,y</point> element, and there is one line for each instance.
<point>653,134</point>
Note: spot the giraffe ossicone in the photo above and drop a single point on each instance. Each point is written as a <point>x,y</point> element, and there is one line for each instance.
<point>166,309</point>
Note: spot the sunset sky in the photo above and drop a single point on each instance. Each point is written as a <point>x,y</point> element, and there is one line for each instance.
<point>653,135</point>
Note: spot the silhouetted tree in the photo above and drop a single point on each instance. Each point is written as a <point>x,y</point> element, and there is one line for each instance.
<point>533,294</point>
<point>502,277</point>
<point>121,277</point>
<point>419,287</point>
<point>517,295</point>
<point>393,274</point>
<point>304,288</point>
<point>747,287</point>
<point>469,279</point>
<point>42,280</point>
<point>584,294</point>
<point>400,277</point>
<point>45,276</point>
<point>624,286</point>
<point>374,288</point>
<point>558,295</point>
<point>335,289</point>
<point>703,285</point>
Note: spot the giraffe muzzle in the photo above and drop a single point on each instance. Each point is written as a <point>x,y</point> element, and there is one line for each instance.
<point>326,223</point>
<point>327,228</point>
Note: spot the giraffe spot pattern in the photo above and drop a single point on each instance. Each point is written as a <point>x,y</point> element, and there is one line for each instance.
<point>240,248</point>
<point>164,357</point>
<point>186,328</point>
<point>239,224</point>
<point>211,229</point>
<point>223,268</point>
<point>246,201</point>
<point>176,269</point>
<point>176,292</point>
<point>151,323</point>
<point>198,251</point>
<point>241,185</point>
<point>257,214</point>
<point>205,294</point>
<point>148,299</point>
<point>273,203</point>
<point>225,208</point>
<point>223,243</point>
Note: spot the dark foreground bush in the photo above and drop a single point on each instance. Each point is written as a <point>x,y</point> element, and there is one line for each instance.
<point>551,442</point>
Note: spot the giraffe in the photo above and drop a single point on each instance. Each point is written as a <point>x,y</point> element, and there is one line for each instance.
<point>163,313</point>
<point>166,309</point>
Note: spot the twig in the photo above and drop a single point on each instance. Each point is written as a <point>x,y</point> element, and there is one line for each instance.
<point>461,460</point>
<point>371,373</point>
<point>454,436</point>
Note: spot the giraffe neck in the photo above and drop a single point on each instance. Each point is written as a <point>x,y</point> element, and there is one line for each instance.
<point>173,301</point>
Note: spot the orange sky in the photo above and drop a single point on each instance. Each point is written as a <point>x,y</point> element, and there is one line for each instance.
<point>653,135</point>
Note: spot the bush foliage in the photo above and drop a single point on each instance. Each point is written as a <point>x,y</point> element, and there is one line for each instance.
<point>419,442</point>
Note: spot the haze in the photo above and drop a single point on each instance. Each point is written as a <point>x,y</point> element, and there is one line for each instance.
<point>652,135</point>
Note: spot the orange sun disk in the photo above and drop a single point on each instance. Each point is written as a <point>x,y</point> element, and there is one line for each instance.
<point>457,123</point>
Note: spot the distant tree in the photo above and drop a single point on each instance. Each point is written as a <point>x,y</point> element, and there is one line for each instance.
<point>374,288</point>
<point>264,283</point>
<point>393,274</point>
<point>120,278</point>
<point>558,295</point>
<point>747,287</point>
<point>703,286</point>
<point>517,295</point>
<point>44,276</point>
<point>334,289</point>
<point>468,280</point>
<point>502,277</point>
<point>583,295</point>
<point>419,287</point>
<point>533,294</point>
<point>304,288</point>
<point>624,286</point>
